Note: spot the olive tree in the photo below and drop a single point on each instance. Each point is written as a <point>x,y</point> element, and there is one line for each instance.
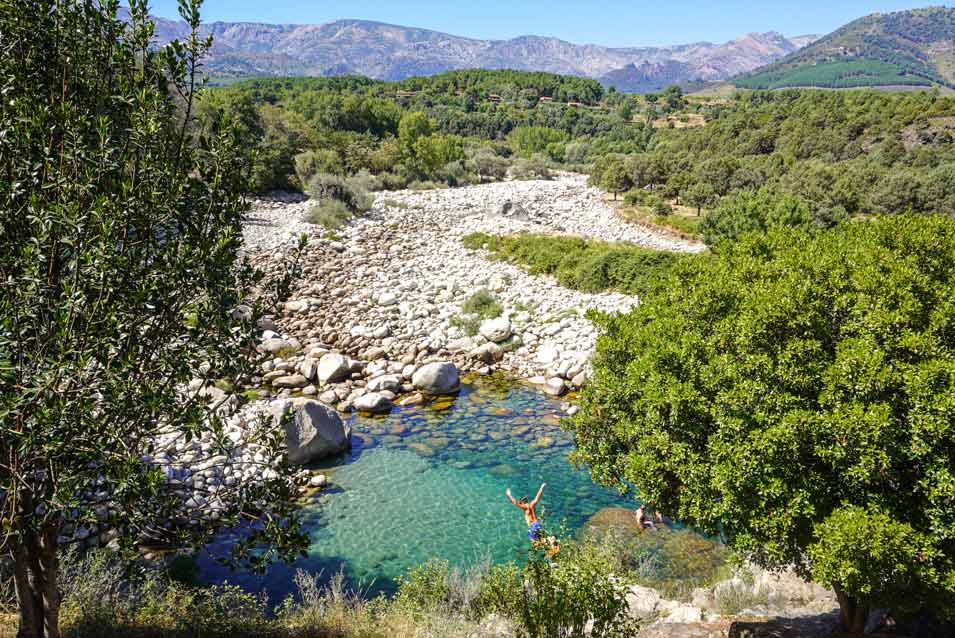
<point>795,394</point>
<point>123,298</point>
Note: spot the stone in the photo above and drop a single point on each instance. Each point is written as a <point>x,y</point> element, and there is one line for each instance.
<point>313,431</point>
<point>643,602</point>
<point>319,480</point>
<point>579,380</point>
<point>373,402</point>
<point>387,299</point>
<point>411,399</point>
<point>388,382</point>
<point>514,211</point>
<point>496,330</point>
<point>292,381</point>
<point>555,387</point>
<point>308,369</point>
<point>274,345</point>
<point>333,367</point>
<point>437,378</point>
<point>490,352</point>
<point>547,354</point>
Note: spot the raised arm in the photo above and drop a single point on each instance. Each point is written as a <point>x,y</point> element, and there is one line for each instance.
<point>513,500</point>
<point>538,497</point>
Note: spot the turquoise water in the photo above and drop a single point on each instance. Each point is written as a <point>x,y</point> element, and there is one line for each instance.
<point>429,481</point>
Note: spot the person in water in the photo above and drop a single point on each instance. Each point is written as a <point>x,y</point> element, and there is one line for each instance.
<point>534,528</point>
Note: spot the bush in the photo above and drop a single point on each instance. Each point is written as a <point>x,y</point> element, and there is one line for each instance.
<point>483,304</point>
<point>753,212</point>
<point>580,264</point>
<point>577,591</point>
<point>312,163</point>
<point>535,167</point>
<point>660,206</point>
<point>348,192</point>
<point>486,163</point>
<point>329,213</point>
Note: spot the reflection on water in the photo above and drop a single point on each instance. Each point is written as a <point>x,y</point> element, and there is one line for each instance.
<point>429,481</point>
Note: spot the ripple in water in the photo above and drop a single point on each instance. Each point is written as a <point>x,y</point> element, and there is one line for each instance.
<point>429,481</point>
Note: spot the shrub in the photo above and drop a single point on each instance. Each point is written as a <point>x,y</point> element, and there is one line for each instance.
<point>580,264</point>
<point>577,591</point>
<point>500,591</point>
<point>486,163</point>
<point>535,167</point>
<point>425,587</point>
<point>660,206</point>
<point>483,304</point>
<point>731,597</point>
<point>329,213</point>
<point>312,163</point>
<point>350,193</point>
<point>753,212</point>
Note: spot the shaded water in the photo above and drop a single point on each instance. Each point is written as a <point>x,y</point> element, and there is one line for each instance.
<point>429,481</point>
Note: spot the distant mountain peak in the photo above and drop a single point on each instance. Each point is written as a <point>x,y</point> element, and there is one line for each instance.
<point>911,48</point>
<point>390,52</point>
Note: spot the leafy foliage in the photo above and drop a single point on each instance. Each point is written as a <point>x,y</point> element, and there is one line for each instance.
<point>795,376</point>
<point>120,283</point>
<point>580,264</point>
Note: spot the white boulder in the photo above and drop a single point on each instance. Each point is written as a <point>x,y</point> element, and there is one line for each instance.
<point>437,378</point>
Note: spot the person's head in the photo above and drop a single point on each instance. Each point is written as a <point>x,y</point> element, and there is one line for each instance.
<point>523,500</point>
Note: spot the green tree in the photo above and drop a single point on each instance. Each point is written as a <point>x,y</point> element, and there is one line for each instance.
<point>795,395</point>
<point>749,212</point>
<point>412,127</point>
<point>611,174</point>
<point>698,195</point>
<point>120,283</point>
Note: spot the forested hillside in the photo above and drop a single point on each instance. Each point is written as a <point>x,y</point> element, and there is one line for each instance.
<point>830,155</point>
<point>906,48</point>
<point>454,128</point>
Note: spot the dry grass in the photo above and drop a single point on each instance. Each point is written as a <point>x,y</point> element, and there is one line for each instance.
<point>680,120</point>
<point>683,222</point>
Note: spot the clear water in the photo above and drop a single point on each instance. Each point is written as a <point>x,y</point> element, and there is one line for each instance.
<point>429,481</point>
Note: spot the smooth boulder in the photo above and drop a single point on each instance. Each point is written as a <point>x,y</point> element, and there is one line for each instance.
<point>333,367</point>
<point>437,378</point>
<point>373,403</point>
<point>313,431</point>
<point>496,330</point>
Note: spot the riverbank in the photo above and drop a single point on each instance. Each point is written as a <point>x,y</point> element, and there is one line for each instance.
<point>391,289</point>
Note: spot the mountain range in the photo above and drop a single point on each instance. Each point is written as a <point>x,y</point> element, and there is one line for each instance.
<point>389,52</point>
<point>908,48</point>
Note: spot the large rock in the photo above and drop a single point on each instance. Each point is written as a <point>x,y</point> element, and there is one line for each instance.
<point>388,382</point>
<point>496,330</point>
<point>291,381</point>
<point>333,367</point>
<point>437,378</point>
<point>490,352</point>
<point>312,431</point>
<point>555,387</point>
<point>373,402</point>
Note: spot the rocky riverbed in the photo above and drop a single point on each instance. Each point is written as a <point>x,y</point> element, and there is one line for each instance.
<point>384,295</point>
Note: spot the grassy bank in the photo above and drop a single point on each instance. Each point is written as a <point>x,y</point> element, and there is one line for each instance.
<point>587,581</point>
<point>579,264</point>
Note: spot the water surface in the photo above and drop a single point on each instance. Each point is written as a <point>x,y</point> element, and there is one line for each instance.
<point>429,481</point>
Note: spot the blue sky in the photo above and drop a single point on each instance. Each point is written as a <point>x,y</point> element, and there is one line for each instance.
<point>636,22</point>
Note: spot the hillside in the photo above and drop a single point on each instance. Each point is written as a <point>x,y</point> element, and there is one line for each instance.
<point>389,52</point>
<point>905,48</point>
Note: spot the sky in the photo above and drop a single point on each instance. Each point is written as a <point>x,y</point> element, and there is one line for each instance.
<point>626,23</point>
